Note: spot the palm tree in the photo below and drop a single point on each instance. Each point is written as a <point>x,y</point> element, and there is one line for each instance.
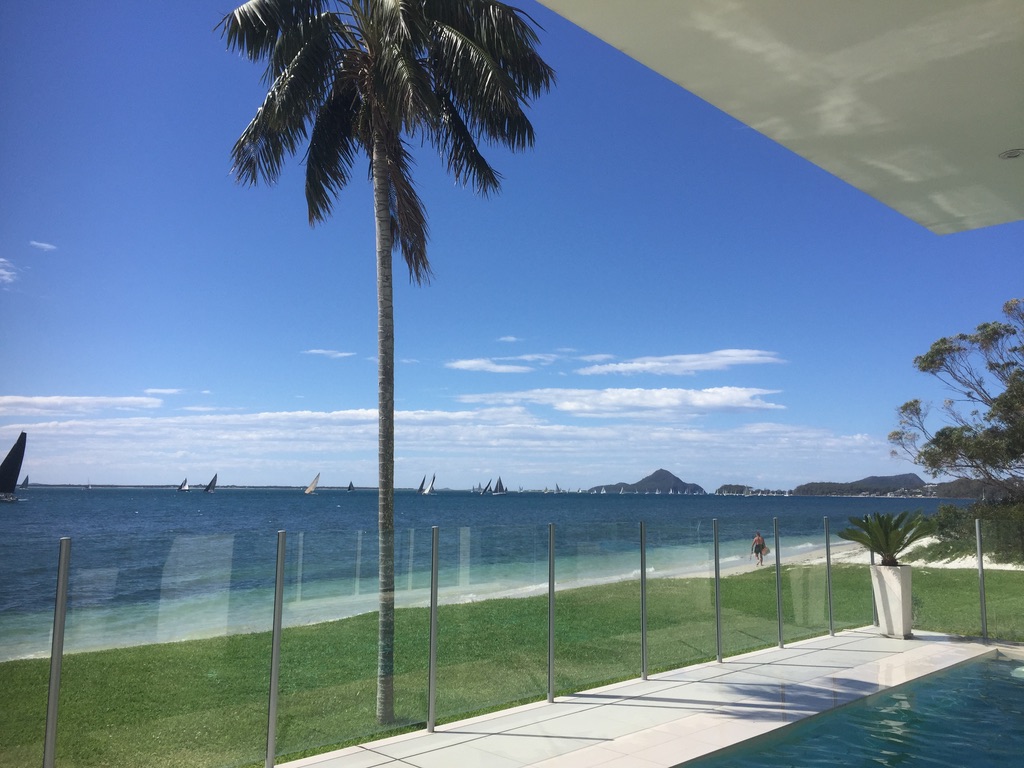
<point>367,77</point>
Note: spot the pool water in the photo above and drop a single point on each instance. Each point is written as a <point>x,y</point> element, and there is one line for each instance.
<point>970,715</point>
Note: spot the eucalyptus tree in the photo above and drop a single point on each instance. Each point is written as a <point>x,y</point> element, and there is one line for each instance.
<point>983,438</point>
<point>370,78</point>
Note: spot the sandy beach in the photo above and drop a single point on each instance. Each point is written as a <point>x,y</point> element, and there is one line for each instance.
<point>849,552</point>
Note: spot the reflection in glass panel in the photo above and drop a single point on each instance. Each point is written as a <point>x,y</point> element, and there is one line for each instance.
<point>492,623</point>
<point>167,648</point>
<point>597,605</point>
<point>680,594</point>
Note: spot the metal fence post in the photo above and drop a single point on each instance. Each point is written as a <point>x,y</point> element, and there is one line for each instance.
<point>718,594</point>
<point>981,580</point>
<point>778,580</point>
<point>643,601</point>
<point>551,612</point>
<point>828,578</point>
<point>60,612</point>
<point>275,652</point>
<point>432,663</point>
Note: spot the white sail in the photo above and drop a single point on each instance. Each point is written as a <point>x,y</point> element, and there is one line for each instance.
<point>430,488</point>
<point>184,485</point>
<point>311,488</point>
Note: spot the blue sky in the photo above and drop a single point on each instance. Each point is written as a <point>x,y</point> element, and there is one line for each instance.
<point>657,285</point>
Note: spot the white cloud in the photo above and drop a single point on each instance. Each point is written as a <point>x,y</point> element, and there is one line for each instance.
<point>598,358</point>
<point>42,246</point>
<point>331,353</point>
<point>15,405</point>
<point>487,366</point>
<point>509,339</point>
<point>462,446</point>
<point>634,402</point>
<point>538,357</point>
<point>681,365</point>
<point>8,272</point>
<point>156,391</point>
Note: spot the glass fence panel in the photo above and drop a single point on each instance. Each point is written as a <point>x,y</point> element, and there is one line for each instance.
<point>852,601</point>
<point>680,594</point>
<point>492,620</point>
<point>167,650</point>
<point>329,645</point>
<point>946,599</point>
<point>804,583</point>
<point>1004,580</point>
<point>748,597</point>
<point>28,583</point>
<point>597,605</point>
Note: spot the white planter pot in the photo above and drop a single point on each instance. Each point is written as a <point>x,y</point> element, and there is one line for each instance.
<point>891,586</point>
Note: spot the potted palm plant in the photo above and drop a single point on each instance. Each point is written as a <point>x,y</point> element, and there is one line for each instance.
<point>889,535</point>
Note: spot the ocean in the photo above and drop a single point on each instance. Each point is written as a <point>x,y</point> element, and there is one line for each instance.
<point>154,565</point>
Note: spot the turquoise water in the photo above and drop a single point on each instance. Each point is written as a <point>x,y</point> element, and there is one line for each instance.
<point>970,715</point>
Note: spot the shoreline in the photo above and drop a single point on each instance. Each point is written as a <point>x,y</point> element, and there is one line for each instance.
<point>93,633</point>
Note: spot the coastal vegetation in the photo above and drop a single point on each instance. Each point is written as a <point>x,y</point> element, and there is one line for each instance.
<point>898,485</point>
<point>350,78</point>
<point>983,434</point>
<point>203,702</point>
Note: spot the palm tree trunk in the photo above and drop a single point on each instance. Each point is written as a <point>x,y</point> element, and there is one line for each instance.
<point>385,442</point>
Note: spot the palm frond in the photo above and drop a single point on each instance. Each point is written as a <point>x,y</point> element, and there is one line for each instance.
<point>333,144</point>
<point>348,73</point>
<point>887,535</point>
<point>408,216</point>
<point>456,144</point>
<point>254,28</point>
<point>291,103</point>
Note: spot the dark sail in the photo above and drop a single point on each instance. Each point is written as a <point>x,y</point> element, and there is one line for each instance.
<point>11,467</point>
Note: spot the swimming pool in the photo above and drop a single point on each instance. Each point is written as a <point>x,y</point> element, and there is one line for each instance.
<point>969,715</point>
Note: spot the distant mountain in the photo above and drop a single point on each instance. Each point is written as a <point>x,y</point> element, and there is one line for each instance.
<point>869,486</point>
<point>659,481</point>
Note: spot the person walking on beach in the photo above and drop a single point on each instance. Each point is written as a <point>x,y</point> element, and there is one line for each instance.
<point>757,547</point>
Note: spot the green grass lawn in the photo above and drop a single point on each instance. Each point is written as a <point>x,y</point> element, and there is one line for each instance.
<point>204,703</point>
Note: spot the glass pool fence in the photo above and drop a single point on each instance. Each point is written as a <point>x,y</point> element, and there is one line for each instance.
<point>218,650</point>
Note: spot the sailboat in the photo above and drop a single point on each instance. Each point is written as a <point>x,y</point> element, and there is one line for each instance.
<point>24,483</point>
<point>423,484</point>
<point>430,488</point>
<point>184,485</point>
<point>350,486</point>
<point>311,488</point>
<point>212,485</point>
<point>499,489</point>
<point>11,468</point>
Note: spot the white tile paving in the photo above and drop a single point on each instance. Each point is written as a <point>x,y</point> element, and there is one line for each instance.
<point>672,717</point>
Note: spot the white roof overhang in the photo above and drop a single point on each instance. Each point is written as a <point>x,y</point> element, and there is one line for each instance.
<point>910,101</point>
